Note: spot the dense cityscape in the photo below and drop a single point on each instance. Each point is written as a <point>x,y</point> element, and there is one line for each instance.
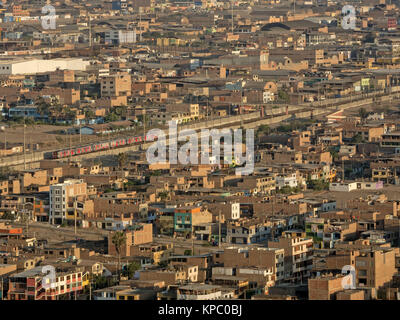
<point>199,150</point>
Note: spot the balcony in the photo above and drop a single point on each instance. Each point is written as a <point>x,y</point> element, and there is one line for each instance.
<point>40,294</point>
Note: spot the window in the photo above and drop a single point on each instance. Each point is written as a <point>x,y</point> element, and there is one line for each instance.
<point>362,273</point>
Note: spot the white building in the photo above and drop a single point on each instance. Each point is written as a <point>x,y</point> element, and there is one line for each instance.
<point>268,96</point>
<point>328,206</point>
<point>34,66</point>
<point>348,150</point>
<point>343,186</point>
<point>115,225</point>
<point>286,181</point>
<point>235,211</point>
<point>350,186</point>
<point>199,291</point>
<point>120,36</point>
<point>60,195</point>
<point>376,116</point>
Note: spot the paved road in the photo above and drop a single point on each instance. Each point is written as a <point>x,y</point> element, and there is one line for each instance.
<point>42,230</point>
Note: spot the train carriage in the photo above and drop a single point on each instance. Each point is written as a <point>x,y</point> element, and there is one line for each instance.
<point>101,146</point>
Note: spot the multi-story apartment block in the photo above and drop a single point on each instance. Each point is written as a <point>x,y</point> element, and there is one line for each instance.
<point>298,255</point>
<point>186,218</point>
<point>117,37</point>
<point>202,292</point>
<point>375,268</point>
<point>247,232</point>
<point>62,196</point>
<point>258,184</point>
<point>289,180</point>
<point>116,85</point>
<point>269,258</point>
<point>30,284</point>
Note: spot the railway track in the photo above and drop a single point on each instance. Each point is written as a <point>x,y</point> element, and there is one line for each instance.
<point>228,122</point>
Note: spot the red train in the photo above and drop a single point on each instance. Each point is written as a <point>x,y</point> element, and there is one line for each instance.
<point>100,146</point>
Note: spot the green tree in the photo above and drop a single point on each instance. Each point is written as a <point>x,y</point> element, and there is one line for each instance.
<point>7,216</point>
<point>357,138</point>
<point>131,269</point>
<point>264,130</point>
<point>100,282</point>
<point>283,96</point>
<point>363,114</point>
<point>155,173</point>
<point>89,114</point>
<point>163,195</point>
<point>334,152</point>
<point>318,185</point>
<point>118,240</point>
<point>288,190</point>
<point>111,117</point>
<point>122,159</point>
<point>43,107</point>
<point>163,264</point>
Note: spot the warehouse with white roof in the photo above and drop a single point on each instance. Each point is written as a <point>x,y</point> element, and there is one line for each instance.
<point>33,66</point>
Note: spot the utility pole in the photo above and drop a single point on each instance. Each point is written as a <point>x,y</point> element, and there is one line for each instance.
<point>219,229</point>
<point>208,106</point>
<point>342,170</point>
<point>24,146</point>
<point>27,221</point>
<point>232,17</point>
<point>144,128</point>
<point>70,147</point>
<point>75,218</point>
<point>90,287</point>
<point>90,31</point>
<point>140,24</point>
<point>273,200</point>
<point>31,149</point>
